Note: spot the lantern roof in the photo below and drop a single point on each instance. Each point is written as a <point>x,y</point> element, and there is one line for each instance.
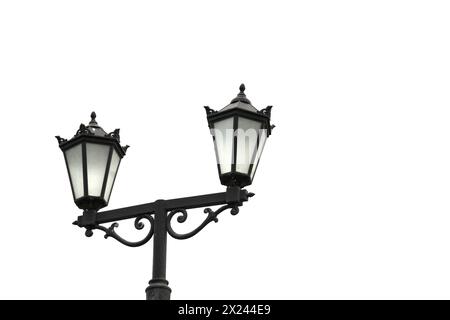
<point>240,102</point>
<point>241,105</point>
<point>93,132</point>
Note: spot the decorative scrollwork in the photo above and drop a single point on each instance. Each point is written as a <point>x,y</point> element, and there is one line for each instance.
<point>266,111</point>
<point>83,130</point>
<point>115,134</point>
<point>209,110</point>
<point>60,140</point>
<point>138,224</point>
<point>212,216</point>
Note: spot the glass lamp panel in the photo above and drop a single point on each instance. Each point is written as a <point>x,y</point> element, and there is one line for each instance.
<point>262,141</point>
<point>74,162</point>
<point>247,140</point>
<point>97,158</point>
<point>223,141</point>
<point>114,166</point>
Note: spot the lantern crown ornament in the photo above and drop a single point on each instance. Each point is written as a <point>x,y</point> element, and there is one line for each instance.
<point>239,133</point>
<point>92,158</point>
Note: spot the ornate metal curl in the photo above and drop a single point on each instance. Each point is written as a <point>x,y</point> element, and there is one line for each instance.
<point>266,111</point>
<point>60,140</point>
<point>115,134</point>
<point>209,110</point>
<point>212,216</point>
<point>83,130</point>
<point>111,232</point>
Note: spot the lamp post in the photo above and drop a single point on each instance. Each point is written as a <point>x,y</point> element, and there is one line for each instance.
<point>93,157</point>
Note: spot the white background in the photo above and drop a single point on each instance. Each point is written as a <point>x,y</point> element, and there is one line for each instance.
<point>352,192</point>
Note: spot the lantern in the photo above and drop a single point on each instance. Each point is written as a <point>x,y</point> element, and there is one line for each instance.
<point>239,133</point>
<point>92,158</point>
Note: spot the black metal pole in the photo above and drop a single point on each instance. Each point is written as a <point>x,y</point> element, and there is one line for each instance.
<point>158,288</point>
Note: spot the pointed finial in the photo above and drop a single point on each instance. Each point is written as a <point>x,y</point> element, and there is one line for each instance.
<point>241,95</point>
<point>93,116</point>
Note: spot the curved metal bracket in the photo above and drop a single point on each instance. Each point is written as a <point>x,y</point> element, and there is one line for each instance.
<point>212,216</point>
<point>110,231</point>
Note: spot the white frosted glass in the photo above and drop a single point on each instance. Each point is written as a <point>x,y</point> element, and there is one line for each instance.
<point>74,161</point>
<point>262,142</point>
<point>247,137</point>
<point>97,158</point>
<point>114,166</point>
<point>223,140</point>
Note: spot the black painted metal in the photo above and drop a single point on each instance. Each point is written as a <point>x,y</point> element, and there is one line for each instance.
<point>209,200</point>
<point>122,213</point>
<point>111,232</point>
<point>212,216</point>
<point>85,175</point>
<point>158,288</point>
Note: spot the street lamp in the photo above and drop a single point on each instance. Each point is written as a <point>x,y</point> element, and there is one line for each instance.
<point>93,157</point>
